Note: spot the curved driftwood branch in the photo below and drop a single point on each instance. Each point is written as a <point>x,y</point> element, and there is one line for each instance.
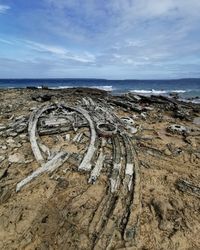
<point>86,162</point>
<point>32,130</point>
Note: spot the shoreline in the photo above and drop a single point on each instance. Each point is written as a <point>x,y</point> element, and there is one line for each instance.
<point>173,94</point>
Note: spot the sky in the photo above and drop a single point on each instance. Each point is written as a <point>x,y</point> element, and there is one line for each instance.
<point>112,39</point>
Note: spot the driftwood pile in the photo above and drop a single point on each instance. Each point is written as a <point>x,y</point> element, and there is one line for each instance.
<point>105,128</point>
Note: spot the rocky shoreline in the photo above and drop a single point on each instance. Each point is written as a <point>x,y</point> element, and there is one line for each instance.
<point>82,169</point>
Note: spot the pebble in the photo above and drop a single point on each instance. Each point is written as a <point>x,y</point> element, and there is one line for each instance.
<point>2,127</point>
<point>19,117</point>
<point>3,173</point>
<point>33,108</point>
<point>23,136</point>
<point>67,137</point>
<point>133,130</point>
<point>16,158</point>
<point>10,140</point>
<point>4,147</point>
<point>13,134</point>
<point>167,152</point>
<point>196,120</point>
<point>2,158</point>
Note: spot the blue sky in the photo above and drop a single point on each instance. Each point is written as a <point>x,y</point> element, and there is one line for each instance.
<point>114,39</point>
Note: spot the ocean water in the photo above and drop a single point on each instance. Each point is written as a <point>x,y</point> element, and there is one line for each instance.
<point>186,88</point>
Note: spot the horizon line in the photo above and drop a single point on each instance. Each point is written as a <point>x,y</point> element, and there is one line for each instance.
<point>104,79</point>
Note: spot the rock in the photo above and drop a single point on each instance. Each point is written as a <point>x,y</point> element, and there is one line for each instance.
<point>127,120</point>
<point>23,136</point>
<point>196,121</point>
<point>20,118</point>
<point>2,127</point>
<point>191,141</point>
<point>3,173</point>
<point>10,140</point>
<point>183,115</point>
<point>165,225</point>
<point>33,108</point>
<point>148,108</point>
<point>4,147</point>
<point>132,130</point>
<point>161,207</point>
<point>62,183</point>
<point>31,87</point>
<point>2,158</point>
<point>16,158</point>
<point>178,129</point>
<point>42,97</point>
<point>143,115</point>
<point>167,152</point>
<point>174,95</point>
<point>67,137</point>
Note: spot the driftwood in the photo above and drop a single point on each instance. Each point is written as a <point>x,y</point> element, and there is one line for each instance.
<point>77,137</point>
<point>121,203</point>
<point>128,105</point>
<point>129,170</point>
<point>132,226</point>
<point>50,166</point>
<point>33,135</point>
<point>86,162</point>
<point>117,165</point>
<point>15,127</point>
<point>188,187</point>
<point>98,166</point>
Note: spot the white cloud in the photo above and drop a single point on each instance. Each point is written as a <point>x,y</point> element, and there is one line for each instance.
<point>6,41</point>
<point>4,8</point>
<point>62,53</point>
<point>137,35</point>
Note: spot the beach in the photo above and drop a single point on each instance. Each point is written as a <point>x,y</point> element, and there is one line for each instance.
<point>185,88</point>
<point>115,171</point>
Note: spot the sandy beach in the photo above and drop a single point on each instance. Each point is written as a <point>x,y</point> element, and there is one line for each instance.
<point>117,172</point>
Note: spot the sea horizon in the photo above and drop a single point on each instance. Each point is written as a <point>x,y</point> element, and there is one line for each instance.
<point>186,88</point>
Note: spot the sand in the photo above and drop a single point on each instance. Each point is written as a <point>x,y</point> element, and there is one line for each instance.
<point>55,211</point>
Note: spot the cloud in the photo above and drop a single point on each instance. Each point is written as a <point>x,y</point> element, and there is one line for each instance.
<point>4,8</point>
<point>6,41</point>
<point>60,52</point>
<point>127,37</point>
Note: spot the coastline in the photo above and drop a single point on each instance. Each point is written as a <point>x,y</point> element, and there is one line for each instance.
<point>181,95</point>
<point>186,88</point>
<point>61,209</point>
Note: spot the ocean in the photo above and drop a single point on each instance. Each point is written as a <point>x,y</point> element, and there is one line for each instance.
<point>186,88</point>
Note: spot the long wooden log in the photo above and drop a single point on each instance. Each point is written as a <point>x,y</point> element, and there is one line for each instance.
<point>99,164</point>
<point>50,166</point>
<point>117,165</point>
